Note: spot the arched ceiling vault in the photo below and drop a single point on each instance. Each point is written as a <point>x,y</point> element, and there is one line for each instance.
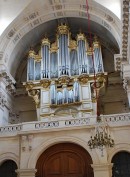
<point>42,16</point>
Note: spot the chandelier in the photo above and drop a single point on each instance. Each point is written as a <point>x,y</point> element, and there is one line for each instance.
<point>101,138</point>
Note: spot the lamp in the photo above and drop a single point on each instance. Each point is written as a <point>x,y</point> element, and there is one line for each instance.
<point>101,137</point>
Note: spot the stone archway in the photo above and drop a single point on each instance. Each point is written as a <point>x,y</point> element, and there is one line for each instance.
<point>7,168</point>
<point>64,159</point>
<point>121,164</point>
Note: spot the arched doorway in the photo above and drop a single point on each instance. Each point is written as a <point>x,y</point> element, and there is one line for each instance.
<point>121,164</point>
<point>7,169</point>
<point>64,160</point>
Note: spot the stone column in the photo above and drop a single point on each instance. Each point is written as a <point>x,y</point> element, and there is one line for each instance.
<point>26,172</point>
<point>102,170</point>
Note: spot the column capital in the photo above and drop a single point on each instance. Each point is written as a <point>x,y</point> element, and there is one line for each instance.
<point>102,167</point>
<point>26,172</point>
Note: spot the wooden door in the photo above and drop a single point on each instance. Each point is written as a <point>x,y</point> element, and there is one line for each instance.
<point>64,160</point>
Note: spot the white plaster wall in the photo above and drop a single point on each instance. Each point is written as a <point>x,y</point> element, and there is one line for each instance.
<point>36,142</point>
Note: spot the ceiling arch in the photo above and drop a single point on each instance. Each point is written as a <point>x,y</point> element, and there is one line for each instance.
<point>30,25</point>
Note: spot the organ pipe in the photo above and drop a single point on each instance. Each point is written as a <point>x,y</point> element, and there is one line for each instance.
<point>30,69</point>
<point>37,70</point>
<point>65,56</point>
<point>45,57</point>
<point>53,93</point>
<point>82,53</point>
<point>97,56</point>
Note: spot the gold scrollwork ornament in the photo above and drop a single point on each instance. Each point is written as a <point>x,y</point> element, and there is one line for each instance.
<point>83,78</point>
<point>45,83</point>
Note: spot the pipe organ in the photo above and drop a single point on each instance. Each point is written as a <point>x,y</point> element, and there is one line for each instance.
<point>61,79</point>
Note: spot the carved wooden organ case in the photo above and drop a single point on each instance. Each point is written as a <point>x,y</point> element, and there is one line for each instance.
<point>61,77</point>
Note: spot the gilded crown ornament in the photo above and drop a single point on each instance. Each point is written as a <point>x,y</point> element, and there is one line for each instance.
<point>73,44</point>
<point>45,41</point>
<point>63,29</point>
<point>54,47</point>
<point>31,54</point>
<point>96,42</point>
<point>38,58</point>
<point>80,36</point>
<point>90,51</point>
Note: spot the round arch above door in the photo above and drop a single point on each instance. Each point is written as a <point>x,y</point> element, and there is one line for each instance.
<point>64,160</point>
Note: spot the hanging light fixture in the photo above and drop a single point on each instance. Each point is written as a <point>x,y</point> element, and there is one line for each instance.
<point>101,137</point>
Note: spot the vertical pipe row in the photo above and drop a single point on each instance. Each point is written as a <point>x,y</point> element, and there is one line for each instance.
<point>67,60</point>
<point>31,68</point>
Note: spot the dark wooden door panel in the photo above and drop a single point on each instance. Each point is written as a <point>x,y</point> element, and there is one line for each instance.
<point>64,160</point>
<point>53,165</point>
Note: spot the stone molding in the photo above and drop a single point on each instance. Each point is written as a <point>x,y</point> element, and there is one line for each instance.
<point>102,167</point>
<point>125,28</point>
<point>26,172</point>
<point>56,124</point>
<point>9,156</point>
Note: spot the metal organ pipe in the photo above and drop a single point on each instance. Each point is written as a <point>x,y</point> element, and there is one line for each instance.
<point>82,53</point>
<point>63,49</point>
<point>70,96</point>
<point>37,70</point>
<point>53,65</point>
<point>74,62</point>
<point>30,68</point>
<point>98,56</point>
<point>76,91</point>
<point>65,94</point>
<point>53,93</point>
<point>45,57</point>
<point>43,61</point>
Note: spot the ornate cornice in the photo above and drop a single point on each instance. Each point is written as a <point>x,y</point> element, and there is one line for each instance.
<point>3,100</point>
<point>9,81</point>
<point>125,27</point>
